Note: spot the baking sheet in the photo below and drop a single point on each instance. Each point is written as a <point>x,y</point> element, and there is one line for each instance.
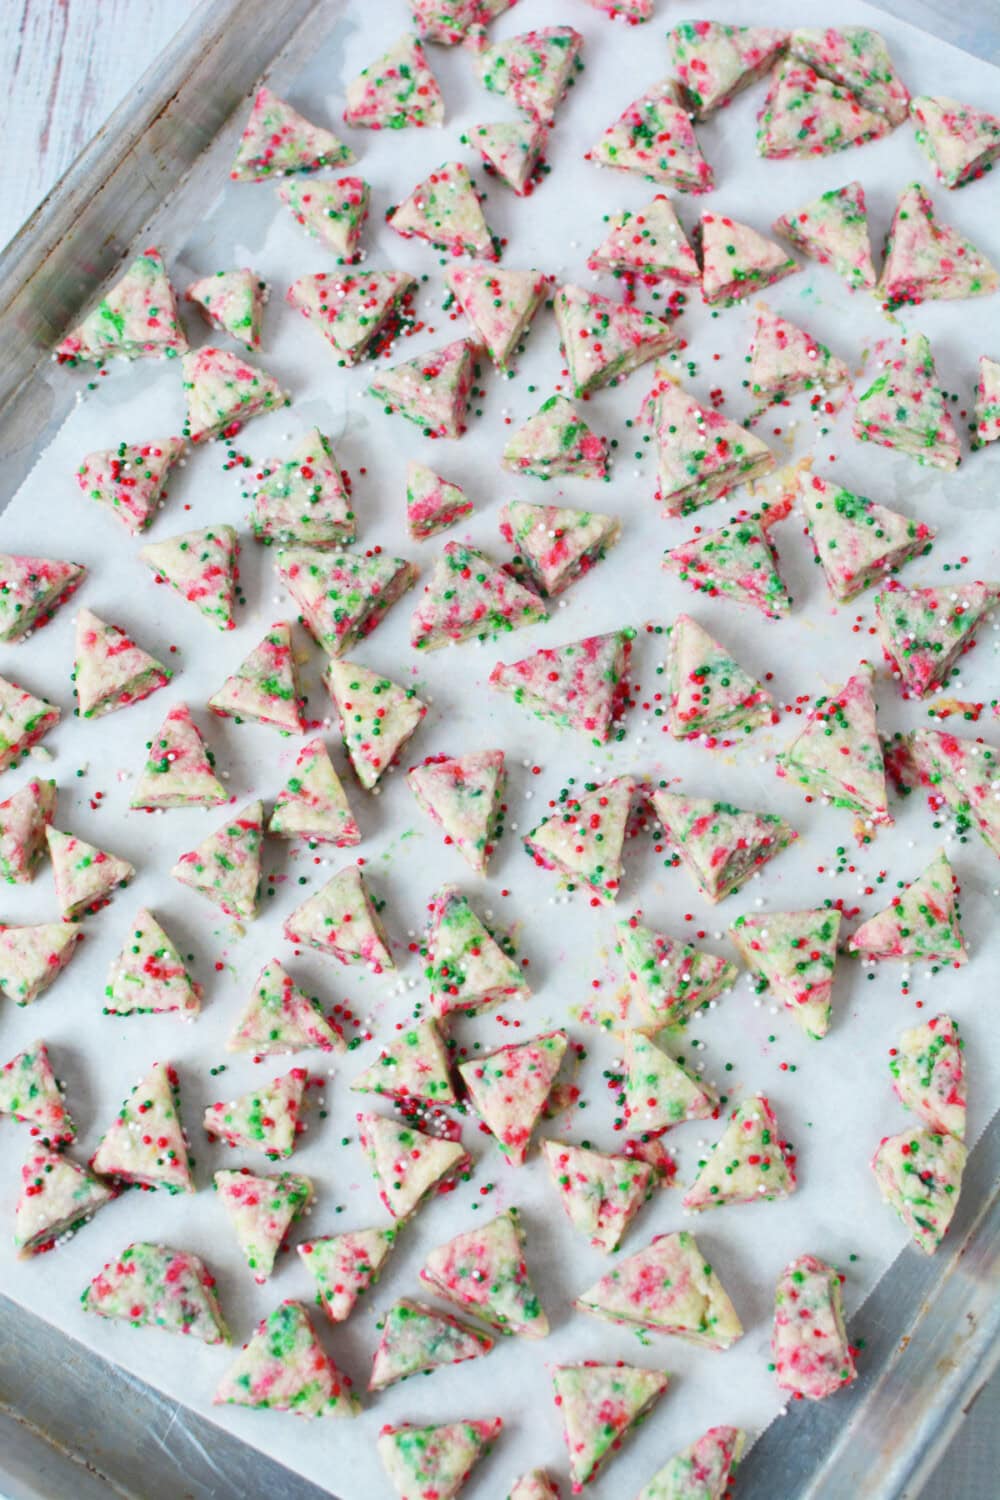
<point>837,1103</point>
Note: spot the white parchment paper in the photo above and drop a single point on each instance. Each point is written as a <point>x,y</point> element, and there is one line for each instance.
<point>833,1099</point>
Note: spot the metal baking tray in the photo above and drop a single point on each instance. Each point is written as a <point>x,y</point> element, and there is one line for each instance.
<point>73,1424</point>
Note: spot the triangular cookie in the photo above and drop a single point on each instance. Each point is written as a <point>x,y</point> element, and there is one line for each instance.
<point>432,391</point>
<point>509,1089</point>
<point>345,1266</point>
<point>748,1162</point>
<point>904,407</point>
<point>556,544</point>
<point>736,562</point>
<point>449,22</point>
<point>469,596</point>
<point>987,428</point>
<point>225,867</point>
<point>412,1064</point>
<point>130,479</point>
<point>285,1368</point>
<point>407,1164</point>
<point>446,211</point>
<point>928,1074</point>
<point>152,1286</point>
<point>736,260</point>
<point>233,302</point>
<point>466,968</point>
<point>280,1018</point>
<point>464,794</point>
<point>267,1119</point>
<point>223,392</point>
<point>668,1288</point>
<point>857,542</point>
<point>785,359</point>
<point>434,1461</point>
<point>30,1092</point>
<point>638,142</point>
<point>110,670</point>
<point>701,454</point>
<point>261,1211</point>
<point>920,923</point>
<point>85,876</point>
<point>278,140</point>
<point>537,1485</point>
<point>32,957</point>
<point>658,1093</point>
<point>264,688</point>
<point>136,319</point>
<point>925,631</point>
<point>334,213</point>
<point>833,229</point>
<point>649,244</point>
<point>919,1174</point>
<point>702,1471</point>
<point>313,804</point>
<point>668,980</point>
<point>24,817</point>
<point>556,441</point>
<point>500,305</point>
<point>396,90</point>
<point>417,1339</point>
<point>532,71</point>
<point>302,499</point>
<point>57,1198</point>
<point>201,566</point>
<point>342,921</point>
<point>179,769</point>
<point>925,259</point>
<point>603,341</point>
<point>24,720</point>
<point>721,845</point>
<point>343,596</point>
<point>484,1272</point>
<point>582,686</point>
<point>963,142</point>
<point>806,115</point>
<point>713,63</point>
<point>432,503</point>
<point>793,954</point>
<point>962,775</point>
<point>709,692</point>
<point>837,755</point>
<point>357,312</point>
<point>600,1194</point>
<point>810,1352</point>
<point>511,149</point>
<point>146,1142</point>
<point>149,977</point>
<point>600,1405</point>
<point>583,841</point>
<point>377,717</point>
<point>859,59</point>
<point>31,590</point>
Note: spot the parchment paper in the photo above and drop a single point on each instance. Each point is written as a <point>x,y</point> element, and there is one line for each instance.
<point>837,1102</point>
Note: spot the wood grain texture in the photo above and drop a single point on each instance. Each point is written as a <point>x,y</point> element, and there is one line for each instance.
<point>65,65</point>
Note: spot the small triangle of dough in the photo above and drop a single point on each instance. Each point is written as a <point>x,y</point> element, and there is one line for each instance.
<point>600,1405</point>
<point>412,1064</point>
<point>463,794</point>
<point>201,566</point>
<point>537,1485</point>
<point>30,1092</point>
<point>343,596</point>
<point>785,359</point>
<point>136,319</point>
<point>280,1018</point>
<point>31,590</point>
<point>919,1174</point>
<point>556,544</point>
<point>110,670</point>
<point>987,429</point>
<point>57,1198</point>
<point>709,1464</point>
<point>417,1339</point>
<point>434,1461</point>
<point>225,867</point>
<point>345,1266</point>
<point>635,142</point>
<point>833,229</point>
<point>793,954</point>
<point>84,875</point>
<point>130,479</point>
<point>513,148</point>
<point>223,392</point>
<point>838,753</point>
<point>928,1074</point>
<point>649,243</point>
<point>709,692</point>
<point>377,717</point>
<point>810,1353</point>
<point>925,631</point>
<point>145,1142</point>
<point>857,541</point>
<point>149,977</point>
<point>926,259</point>
<point>433,391</point>
<point>963,775</point>
<point>407,1164</point>
<point>261,1211</point>
<point>32,957</point>
<point>432,503</point>
<point>278,140</point>
<point>313,804</point>
<point>500,305</point>
<point>859,59</point>
<point>285,1368</point>
<point>658,1092</point>
<point>920,923</point>
<point>179,769</point>
<point>668,1288</point>
<point>720,845</point>
<point>556,441</point>
<point>961,141</point>
<point>466,968</point>
<point>736,260</point>
<point>509,1089</point>
<point>151,1285</point>
<point>713,63</point>
<point>583,841</point>
<point>533,71</point>
<point>736,562</point>
<point>265,686</point>
<point>701,454</point>
<point>24,720</point>
<point>233,302</point>
<point>24,817</point>
<point>748,1162</point>
<point>904,407</point>
<point>396,90</point>
<point>484,1272</point>
<point>806,115</point>
<point>355,311</point>
<point>600,1194</point>
<point>667,980</point>
<point>301,499</point>
<point>267,1119</point>
<point>603,341</point>
<point>582,686</point>
<point>445,210</point>
<point>341,921</point>
<point>470,595</point>
<point>335,213</point>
